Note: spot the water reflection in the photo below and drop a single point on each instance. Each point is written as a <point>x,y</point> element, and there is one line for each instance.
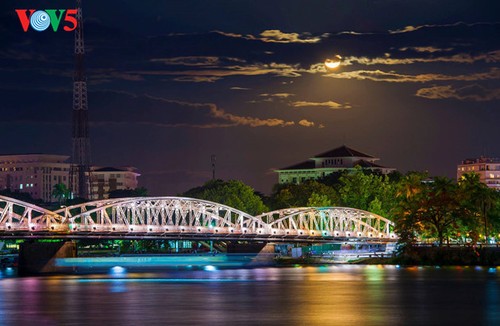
<point>326,295</point>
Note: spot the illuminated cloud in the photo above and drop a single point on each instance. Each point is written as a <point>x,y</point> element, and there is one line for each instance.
<point>237,88</point>
<point>197,79</point>
<point>257,69</point>
<point>232,120</point>
<point>410,28</point>
<point>277,36</point>
<point>196,61</point>
<point>248,121</point>
<point>423,49</point>
<point>317,68</point>
<point>352,33</point>
<point>470,93</point>
<point>329,105</point>
<point>306,123</point>
<point>490,57</point>
<point>279,95</point>
<point>394,77</point>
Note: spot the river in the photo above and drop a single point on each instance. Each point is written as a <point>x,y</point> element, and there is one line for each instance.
<point>326,295</point>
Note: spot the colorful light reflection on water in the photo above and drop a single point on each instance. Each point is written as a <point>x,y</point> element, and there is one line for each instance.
<point>324,295</point>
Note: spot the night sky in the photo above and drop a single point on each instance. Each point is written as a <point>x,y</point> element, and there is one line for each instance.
<point>172,82</point>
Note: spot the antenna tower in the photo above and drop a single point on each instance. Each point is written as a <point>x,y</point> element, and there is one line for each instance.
<point>80,159</point>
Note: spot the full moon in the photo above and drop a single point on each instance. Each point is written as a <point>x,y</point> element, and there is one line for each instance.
<point>333,63</point>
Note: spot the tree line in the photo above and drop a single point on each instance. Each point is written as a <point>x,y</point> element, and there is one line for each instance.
<point>435,210</point>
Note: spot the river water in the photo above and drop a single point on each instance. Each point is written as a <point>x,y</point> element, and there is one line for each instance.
<point>327,295</point>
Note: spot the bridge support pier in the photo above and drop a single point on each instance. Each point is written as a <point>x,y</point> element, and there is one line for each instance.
<point>39,258</point>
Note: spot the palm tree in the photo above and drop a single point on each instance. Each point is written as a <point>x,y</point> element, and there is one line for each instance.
<point>60,192</point>
<point>478,198</point>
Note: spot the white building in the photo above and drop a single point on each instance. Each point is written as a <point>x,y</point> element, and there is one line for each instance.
<point>106,179</point>
<point>487,168</point>
<point>336,160</point>
<point>37,174</point>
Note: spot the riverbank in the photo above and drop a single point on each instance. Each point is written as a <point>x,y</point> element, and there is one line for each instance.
<point>479,256</point>
<point>430,256</point>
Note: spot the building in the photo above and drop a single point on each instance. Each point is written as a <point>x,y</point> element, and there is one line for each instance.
<point>106,179</point>
<point>37,174</point>
<point>488,169</point>
<point>336,160</point>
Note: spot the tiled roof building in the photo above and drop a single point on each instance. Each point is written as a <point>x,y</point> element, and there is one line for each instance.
<point>336,160</point>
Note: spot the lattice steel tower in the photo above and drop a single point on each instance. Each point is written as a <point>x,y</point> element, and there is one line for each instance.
<point>80,160</point>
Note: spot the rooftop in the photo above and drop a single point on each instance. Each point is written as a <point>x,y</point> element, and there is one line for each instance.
<point>343,151</point>
<point>481,160</point>
<point>114,169</point>
<point>33,158</point>
<point>301,166</point>
<point>366,164</point>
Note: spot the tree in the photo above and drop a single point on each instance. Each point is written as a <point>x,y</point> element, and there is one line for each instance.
<point>319,200</point>
<point>309,193</point>
<point>480,203</point>
<point>61,193</point>
<point>442,208</point>
<point>427,208</point>
<point>410,192</point>
<point>123,193</point>
<point>368,191</point>
<point>232,193</point>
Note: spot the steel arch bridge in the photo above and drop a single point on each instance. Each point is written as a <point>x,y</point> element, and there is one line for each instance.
<point>189,219</point>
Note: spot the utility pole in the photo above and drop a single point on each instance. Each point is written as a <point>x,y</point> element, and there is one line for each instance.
<point>213,159</point>
<point>80,159</point>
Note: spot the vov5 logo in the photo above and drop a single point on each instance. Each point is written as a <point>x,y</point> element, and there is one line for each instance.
<point>40,20</point>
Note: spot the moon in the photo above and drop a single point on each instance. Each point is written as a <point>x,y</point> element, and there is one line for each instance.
<point>333,63</point>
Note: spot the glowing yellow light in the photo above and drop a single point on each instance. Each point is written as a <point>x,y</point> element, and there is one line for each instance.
<point>333,63</point>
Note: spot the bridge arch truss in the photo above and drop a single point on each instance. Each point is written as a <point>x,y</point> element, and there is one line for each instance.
<point>188,218</point>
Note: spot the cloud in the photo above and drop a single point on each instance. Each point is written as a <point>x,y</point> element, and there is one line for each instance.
<point>197,61</point>
<point>231,119</point>
<point>306,123</point>
<point>189,61</point>
<point>408,29</point>
<point>237,88</point>
<point>471,93</point>
<point>394,77</point>
<point>328,105</point>
<point>256,69</point>
<point>353,33</point>
<point>106,75</point>
<point>279,95</point>
<point>197,79</point>
<point>429,49</point>
<point>490,57</point>
<point>277,36</point>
